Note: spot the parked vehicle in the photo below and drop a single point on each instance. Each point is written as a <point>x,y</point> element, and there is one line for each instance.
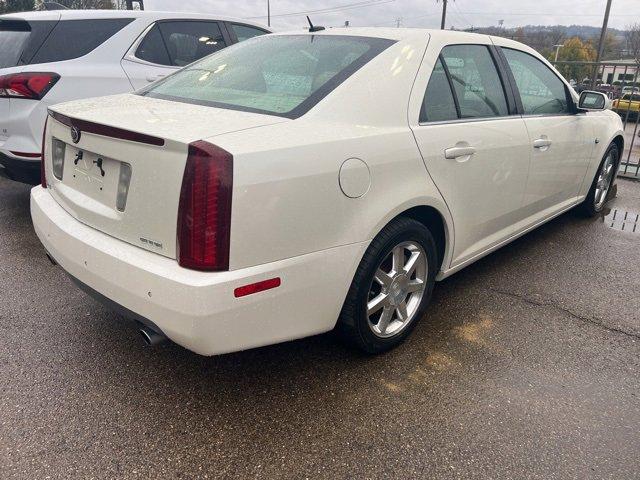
<point>294,183</point>
<point>57,56</point>
<point>612,91</point>
<point>628,103</point>
<point>630,90</point>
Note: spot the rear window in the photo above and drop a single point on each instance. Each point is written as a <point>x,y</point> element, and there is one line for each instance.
<point>633,98</point>
<point>278,75</point>
<point>74,38</point>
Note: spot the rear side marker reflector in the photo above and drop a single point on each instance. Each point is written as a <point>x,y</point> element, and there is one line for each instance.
<point>106,131</point>
<point>256,287</point>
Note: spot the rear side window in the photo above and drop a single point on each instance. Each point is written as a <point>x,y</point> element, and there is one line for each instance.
<point>179,43</point>
<point>438,104</point>
<point>152,48</point>
<point>476,81</point>
<point>464,84</point>
<point>74,38</point>
<point>541,91</point>
<point>245,32</point>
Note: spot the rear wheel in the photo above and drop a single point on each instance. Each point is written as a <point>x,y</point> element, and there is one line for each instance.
<point>601,186</point>
<point>391,288</point>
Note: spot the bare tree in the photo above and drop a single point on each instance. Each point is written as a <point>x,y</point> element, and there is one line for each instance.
<point>632,38</point>
<point>88,4</point>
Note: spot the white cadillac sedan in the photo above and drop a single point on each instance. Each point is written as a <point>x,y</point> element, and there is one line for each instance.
<point>296,183</point>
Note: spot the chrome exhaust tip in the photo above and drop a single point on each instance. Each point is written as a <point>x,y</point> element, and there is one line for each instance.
<point>151,337</point>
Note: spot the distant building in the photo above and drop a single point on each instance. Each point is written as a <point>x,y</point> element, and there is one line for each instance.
<point>620,73</point>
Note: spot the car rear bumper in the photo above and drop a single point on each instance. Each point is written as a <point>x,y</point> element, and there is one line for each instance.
<point>26,170</point>
<point>198,310</point>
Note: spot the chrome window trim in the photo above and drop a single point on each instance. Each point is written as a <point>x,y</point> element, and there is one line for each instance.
<point>470,120</point>
<point>130,54</point>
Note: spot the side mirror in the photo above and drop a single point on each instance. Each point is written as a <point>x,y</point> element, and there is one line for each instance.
<point>590,101</point>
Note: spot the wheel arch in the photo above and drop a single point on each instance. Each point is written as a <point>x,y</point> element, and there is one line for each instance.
<point>618,139</point>
<point>435,217</point>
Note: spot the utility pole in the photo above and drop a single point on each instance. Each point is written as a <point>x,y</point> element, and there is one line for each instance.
<point>398,22</point>
<point>444,13</point>
<point>603,37</point>
<point>558,47</point>
<point>268,13</point>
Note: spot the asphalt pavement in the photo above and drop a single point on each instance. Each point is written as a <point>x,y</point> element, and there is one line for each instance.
<point>527,365</point>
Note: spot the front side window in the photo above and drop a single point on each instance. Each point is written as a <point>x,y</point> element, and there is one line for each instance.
<point>245,32</point>
<point>283,75</point>
<point>541,91</point>
<point>179,43</point>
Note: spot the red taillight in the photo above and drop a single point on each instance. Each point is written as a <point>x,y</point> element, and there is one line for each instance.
<point>43,175</point>
<point>204,213</point>
<point>31,85</point>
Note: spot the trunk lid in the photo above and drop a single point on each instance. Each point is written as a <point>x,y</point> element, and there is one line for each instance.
<point>136,144</point>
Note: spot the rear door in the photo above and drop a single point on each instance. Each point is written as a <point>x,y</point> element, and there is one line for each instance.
<point>474,145</point>
<point>561,142</point>
<point>168,45</point>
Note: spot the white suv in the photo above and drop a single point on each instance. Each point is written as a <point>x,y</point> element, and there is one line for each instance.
<point>52,57</point>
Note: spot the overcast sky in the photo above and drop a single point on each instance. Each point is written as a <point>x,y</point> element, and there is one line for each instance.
<point>415,13</point>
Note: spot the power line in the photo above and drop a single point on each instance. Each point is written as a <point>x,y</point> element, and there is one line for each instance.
<point>537,14</point>
<point>337,8</point>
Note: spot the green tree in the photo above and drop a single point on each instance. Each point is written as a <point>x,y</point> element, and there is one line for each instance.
<point>10,6</point>
<point>575,50</point>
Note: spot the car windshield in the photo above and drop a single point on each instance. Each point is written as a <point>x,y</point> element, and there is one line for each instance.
<point>280,75</point>
<point>633,98</point>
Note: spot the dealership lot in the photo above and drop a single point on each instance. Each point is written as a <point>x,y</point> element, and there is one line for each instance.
<point>528,363</point>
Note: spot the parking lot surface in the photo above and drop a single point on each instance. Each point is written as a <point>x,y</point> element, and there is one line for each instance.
<point>527,365</point>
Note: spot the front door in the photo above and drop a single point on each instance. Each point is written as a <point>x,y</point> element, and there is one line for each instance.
<point>474,147</point>
<point>561,142</point>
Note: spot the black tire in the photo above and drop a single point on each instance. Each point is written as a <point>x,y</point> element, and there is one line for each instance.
<point>353,323</point>
<point>588,207</point>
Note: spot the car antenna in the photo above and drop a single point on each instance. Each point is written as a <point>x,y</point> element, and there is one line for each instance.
<point>313,28</point>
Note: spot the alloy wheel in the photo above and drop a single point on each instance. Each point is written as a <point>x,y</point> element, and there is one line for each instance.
<point>603,184</point>
<point>397,289</point>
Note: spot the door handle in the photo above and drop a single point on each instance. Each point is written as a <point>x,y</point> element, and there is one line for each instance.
<point>542,143</point>
<point>457,152</point>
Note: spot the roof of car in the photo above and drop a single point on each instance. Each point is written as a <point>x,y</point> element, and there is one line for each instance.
<point>82,14</point>
<point>390,33</point>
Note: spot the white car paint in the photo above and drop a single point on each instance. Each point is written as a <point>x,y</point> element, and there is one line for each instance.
<point>291,217</point>
<point>110,68</point>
